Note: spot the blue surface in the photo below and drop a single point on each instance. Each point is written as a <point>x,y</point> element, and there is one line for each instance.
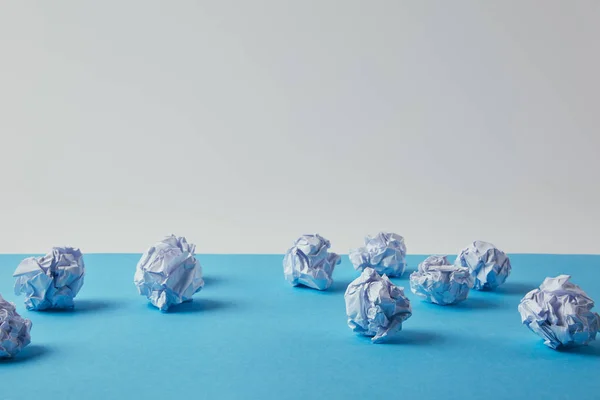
<point>249,334</point>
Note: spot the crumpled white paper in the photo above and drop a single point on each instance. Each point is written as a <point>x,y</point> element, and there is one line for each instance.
<point>384,252</point>
<point>51,281</point>
<point>560,312</point>
<point>375,306</point>
<point>440,282</point>
<point>308,262</point>
<point>488,265</point>
<point>168,273</point>
<point>14,330</point>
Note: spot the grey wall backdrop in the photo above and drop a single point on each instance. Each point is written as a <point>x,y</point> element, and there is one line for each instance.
<point>242,124</point>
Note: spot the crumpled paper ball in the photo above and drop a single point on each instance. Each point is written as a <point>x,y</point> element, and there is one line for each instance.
<point>168,273</point>
<point>488,265</point>
<point>14,330</point>
<point>384,252</point>
<point>51,281</point>
<point>375,306</point>
<point>439,282</point>
<point>560,312</point>
<point>309,263</point>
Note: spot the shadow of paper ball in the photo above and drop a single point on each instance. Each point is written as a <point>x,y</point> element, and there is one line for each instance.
<point>198,306</point>
<point>29,353</point>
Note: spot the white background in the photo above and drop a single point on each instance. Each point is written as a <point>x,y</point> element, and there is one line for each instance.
<point>242,124</point>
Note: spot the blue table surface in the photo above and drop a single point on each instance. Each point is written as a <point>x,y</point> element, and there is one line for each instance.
<point>249,334</point>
